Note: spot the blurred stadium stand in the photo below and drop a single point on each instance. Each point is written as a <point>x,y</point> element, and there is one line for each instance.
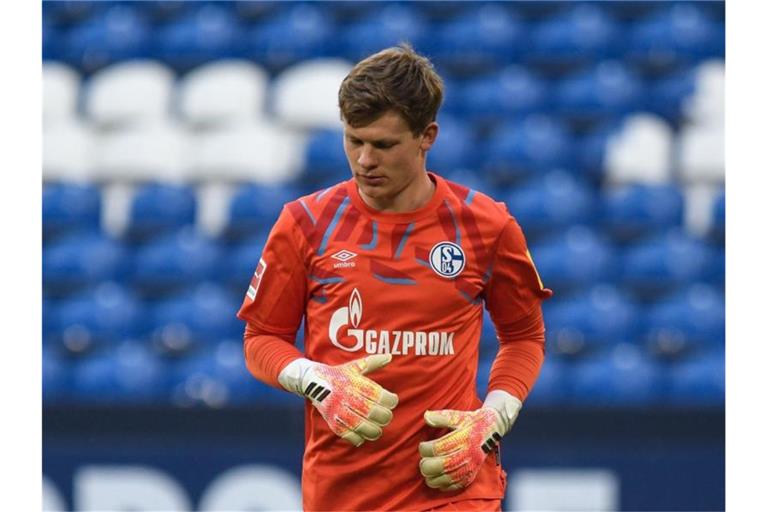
<point>600,124</point>
<point>163,120</point>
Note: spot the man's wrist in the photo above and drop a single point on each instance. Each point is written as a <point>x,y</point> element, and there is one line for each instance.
<point>292,376</point>
<point>508,406</point>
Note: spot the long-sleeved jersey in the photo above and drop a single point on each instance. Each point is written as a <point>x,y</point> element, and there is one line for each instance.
<point>409,284</point>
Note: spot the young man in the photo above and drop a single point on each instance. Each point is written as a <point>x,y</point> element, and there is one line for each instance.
<point>391,270</point>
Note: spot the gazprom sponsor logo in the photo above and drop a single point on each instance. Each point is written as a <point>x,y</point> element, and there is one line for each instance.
<point>345,322</point>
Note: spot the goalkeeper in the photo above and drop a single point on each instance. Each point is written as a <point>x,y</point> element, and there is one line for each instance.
<point>390,272</point>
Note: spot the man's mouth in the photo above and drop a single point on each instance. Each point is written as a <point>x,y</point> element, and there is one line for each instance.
<point>371,179</point>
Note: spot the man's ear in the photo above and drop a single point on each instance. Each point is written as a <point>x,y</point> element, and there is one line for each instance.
<point>429,136</point>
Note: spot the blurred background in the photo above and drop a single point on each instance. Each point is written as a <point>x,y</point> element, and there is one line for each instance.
<point>600,124</point>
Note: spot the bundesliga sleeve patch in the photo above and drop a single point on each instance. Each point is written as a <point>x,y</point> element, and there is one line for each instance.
<point>253,289</point>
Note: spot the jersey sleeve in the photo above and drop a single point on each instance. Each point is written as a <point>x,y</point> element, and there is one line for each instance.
<point>276,297</point>
<point>514,287</point>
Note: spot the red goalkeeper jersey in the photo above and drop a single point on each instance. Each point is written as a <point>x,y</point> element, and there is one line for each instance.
<point>409,284</point>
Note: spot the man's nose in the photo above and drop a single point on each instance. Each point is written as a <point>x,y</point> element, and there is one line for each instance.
<point>366,158</point>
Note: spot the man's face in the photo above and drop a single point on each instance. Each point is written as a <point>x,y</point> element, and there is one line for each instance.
<point>385,156</point>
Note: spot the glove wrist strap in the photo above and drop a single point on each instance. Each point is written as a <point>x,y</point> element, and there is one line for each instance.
<point>508,407</point>
<point>292,376</point>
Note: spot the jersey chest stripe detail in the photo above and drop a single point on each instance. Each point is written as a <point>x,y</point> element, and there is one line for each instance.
<point>422,256</point>
<point>327,280</point>
<point>302,218</point>
<point>470,197</point>
<point>371,230</point>
<point>326,217</point>
<point>388,272</point>
<point>399,237</point>
<point>309,213</point>
<point>473,233</point>
<point>444,215</point>
<point>393,280</point>
<point>320,194</point>
<point>457,239</point>
<point>332,225</point>
<point>348,223</point>
<point>459,190</point>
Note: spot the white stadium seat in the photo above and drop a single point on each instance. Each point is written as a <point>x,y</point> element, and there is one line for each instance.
<point>707,104</point>
<point>306,95</point>
<point>260,152</point>
<point>699,201</point>
<point>223,92</point>
<point>130,93</point>
<point>68,152</point>
<point>702,154</point>
<point>61,85</point>
<point>156,152</point>
<point>641,152</point>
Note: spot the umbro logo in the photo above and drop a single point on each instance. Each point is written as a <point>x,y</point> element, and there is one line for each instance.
<point>344,256</point>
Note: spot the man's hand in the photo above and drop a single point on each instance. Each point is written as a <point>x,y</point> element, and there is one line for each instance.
<point>355,407</point>
<point>452,462</point>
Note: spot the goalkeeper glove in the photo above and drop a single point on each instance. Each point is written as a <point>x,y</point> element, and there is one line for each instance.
<point>452,462</point>
<point>355,407</point>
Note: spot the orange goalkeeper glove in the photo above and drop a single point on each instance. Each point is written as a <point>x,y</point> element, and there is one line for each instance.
<point>452,462</point>
<point>355,407</point>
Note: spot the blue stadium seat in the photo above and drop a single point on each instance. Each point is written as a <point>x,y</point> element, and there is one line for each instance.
<point>56,375</point>
<point>159,209</point>
<point>634,211</point>
<point>699,381</point>
<point>52,40</point>
<point>680,34</point>
<point>118,33</point>
<point>386,26</point>
<point>481,40</point>
<point>575,260</point>
<point>582,33</point>
<point>523,148</point>
<point>666,262</point>
<point>717,227</point>
<point>209,32</point>
<point>70,207</point>
<point>692,320</point>
<point>589,322</point>
<point>175,262</point>
<point>590,148</point>
<point>668,92</point>
<point>240,262</point>
<point>552,203</point>
<point>72,12</point>
<point>622,377</point>
<point>79,260</point>
<point>163,11</point>
<point>302,31</point>
<point>324,159</point>
<point>255,208</point>
<point>129,374</point>
<point>551,387</point>
<point>100,317</point>
<point>455,148</point>
<point>204,315</point>
<point>513,91</point>
<point>608,90</point>
<point>214,376</point>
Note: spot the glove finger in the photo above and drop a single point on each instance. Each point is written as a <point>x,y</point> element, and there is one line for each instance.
<point>427,449</point>
<point>439,482</point>
<point>380,415</point>
<point>352,438</point>
<point>432,467</point>
<point>368,364</point>
<point>368,430</point>
<point>445,418</point>
<point>387,399</point>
